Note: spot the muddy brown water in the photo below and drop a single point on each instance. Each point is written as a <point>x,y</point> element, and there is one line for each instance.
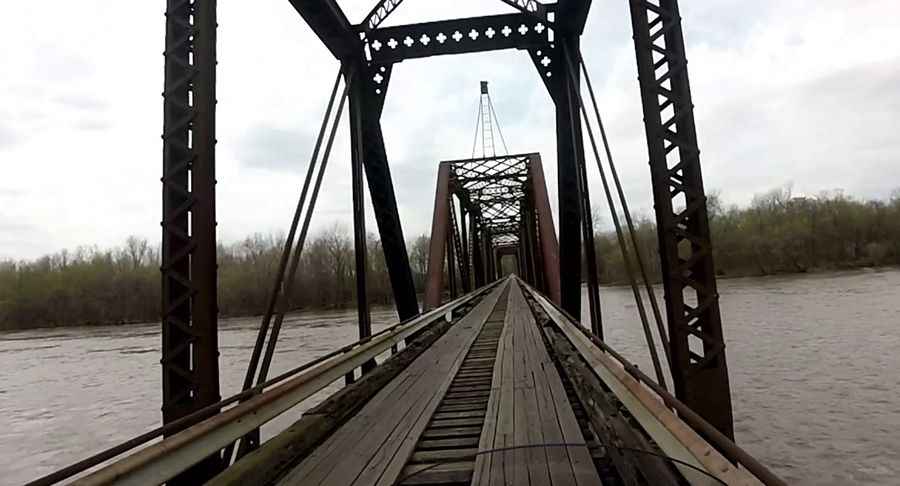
<point>814,364</point>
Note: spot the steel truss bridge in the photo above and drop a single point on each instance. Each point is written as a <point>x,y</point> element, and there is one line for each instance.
<point>492,381</point>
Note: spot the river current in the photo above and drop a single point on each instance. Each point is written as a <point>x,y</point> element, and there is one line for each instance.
<point>814,364</point>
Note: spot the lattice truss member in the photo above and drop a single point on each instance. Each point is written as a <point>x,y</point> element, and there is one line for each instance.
<point>494,189</point>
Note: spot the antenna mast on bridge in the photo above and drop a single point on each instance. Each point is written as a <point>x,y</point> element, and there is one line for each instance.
<point>487,119</point>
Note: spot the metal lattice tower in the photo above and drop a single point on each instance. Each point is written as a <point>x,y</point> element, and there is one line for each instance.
<point>485,123</point>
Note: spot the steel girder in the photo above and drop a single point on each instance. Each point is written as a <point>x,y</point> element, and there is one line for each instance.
<point>357,141</point>
<point>546,246</point>
<point>532,29</point>
<point>458,36</point>
<point>548,60</point>
<point>369,91</point>
<point>572,15</point>
<point>190,366</point>
<point>328,21</point>
<point>698,365</point>
<point>438,242</point>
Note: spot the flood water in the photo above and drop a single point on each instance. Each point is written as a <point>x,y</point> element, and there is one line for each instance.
<point>813,362</point>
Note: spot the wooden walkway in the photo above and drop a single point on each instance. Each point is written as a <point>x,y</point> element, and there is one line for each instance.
<point>488,383</point>
<point>496,388</point>
<point>530,412</point>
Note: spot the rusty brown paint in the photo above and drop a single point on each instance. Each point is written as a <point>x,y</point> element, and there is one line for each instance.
<point>546,230</point>
<point>438,242</point>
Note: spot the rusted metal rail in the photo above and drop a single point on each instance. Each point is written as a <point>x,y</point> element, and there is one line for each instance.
<point>206,431</point>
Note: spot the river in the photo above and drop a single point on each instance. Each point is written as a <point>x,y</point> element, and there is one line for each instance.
<point>813,361</point>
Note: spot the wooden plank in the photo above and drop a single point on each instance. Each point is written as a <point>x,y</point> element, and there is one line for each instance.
<point>461,408</point>
<point>501,466</point>
<point>579,456</point>
<point>673,435</point>
<point>451,432</point>
<point>536,459</point>
<point>448,443</point>
<point>445,455</point>
<point>481,473</point>
<point>529,408</point>
<point>372,437</point>
<point>557,466</point>
<point>458,415</point>
<point>454,472</point>
<point>466,401</point>
<point>465,422</point>
<point>391,465</point>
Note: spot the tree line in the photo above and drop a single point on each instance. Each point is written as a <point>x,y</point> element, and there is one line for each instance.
<point>776,233</point>
<point>92,285</point>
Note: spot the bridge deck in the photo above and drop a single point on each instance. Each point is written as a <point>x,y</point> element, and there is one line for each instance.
<point>488,383</point>
<point>498,387</point>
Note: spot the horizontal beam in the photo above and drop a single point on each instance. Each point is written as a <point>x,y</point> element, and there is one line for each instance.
<point>475,34</point>
<point>163,460</point>
<point>328,21</point>
<point>519,175</point>
<point>531,155</point>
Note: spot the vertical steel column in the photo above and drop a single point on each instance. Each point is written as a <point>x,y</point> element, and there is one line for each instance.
<point>190,368</point>
<point>457,263</point>
<point>436,249</point>
<point>357,85</point>
<point>699,370</point>
<point>463,227</point>
<point>491,256</point>
<point>381,188</point>
<point>526,240</point>
<point>478,263</point>
<point>569,150</point>
<point>546,230</point>
<point>451,268</point>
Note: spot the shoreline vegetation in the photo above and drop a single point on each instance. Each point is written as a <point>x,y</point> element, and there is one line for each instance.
<point>777,233</point>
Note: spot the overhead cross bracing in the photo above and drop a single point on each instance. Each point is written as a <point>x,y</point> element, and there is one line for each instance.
<point>487,208</point>
<point>494,189</point>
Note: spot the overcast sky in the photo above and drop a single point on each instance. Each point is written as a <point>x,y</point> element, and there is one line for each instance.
<point>802,92</point>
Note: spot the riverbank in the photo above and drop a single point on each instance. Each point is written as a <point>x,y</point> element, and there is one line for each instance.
<point>817,271</point>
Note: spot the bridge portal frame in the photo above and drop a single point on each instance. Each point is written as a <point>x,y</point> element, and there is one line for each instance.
<point>697,344</point>
<point>550,33</point>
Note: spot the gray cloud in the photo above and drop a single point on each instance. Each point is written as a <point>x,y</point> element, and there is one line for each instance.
<point>56,63</point>
<point>771,108</point>
<point>840,123</point>
<point>81,101</point>
<point>8,137</point>
<point>275,148</point>
<point>93,124</point>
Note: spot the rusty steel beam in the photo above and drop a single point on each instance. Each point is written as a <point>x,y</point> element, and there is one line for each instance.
<point>546,231</point>
<point>699,369</point>
<point>436,249</point>
<point>190,353</point>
